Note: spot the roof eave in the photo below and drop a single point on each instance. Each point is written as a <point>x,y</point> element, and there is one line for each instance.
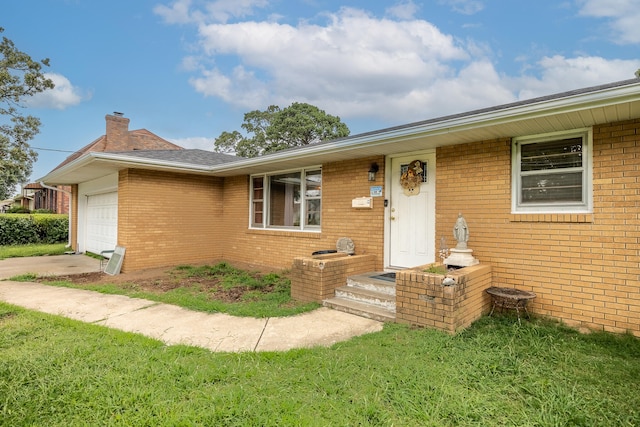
<point>432,133</point>
<point>117,162</point>
<point>544,107</point>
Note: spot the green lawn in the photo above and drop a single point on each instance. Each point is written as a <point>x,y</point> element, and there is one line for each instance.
<point>32,250</point>
<point>59,372</point>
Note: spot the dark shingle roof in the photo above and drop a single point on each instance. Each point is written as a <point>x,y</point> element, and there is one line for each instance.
<point>187,156</point>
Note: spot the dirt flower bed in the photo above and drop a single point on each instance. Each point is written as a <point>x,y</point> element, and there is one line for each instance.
<point>221,282</point>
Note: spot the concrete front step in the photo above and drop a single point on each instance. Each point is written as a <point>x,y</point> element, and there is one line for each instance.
<point>367,296</point>
<point>361,309</point>
<point>369,282</point>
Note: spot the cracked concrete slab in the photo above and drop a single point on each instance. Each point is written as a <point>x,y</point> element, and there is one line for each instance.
<point>86,306</point>
<point>321,327</point>
<point>176,325</point>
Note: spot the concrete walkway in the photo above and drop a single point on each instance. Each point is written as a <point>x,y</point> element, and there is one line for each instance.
<point>168,323</point>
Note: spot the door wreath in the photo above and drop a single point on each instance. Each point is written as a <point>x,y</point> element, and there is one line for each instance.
<point>411,179</point>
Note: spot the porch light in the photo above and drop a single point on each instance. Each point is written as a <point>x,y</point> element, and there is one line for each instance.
<point>372,171</point>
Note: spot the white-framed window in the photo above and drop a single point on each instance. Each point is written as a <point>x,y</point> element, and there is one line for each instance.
<point>551,173</point>
<point>290,200</point>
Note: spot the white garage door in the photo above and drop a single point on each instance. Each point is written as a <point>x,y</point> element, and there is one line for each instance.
<point>102,222</point>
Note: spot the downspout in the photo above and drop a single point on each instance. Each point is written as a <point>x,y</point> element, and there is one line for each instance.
<point>68,193</point>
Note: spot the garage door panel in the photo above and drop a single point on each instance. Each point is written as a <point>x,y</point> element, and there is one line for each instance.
<point>102,222</point>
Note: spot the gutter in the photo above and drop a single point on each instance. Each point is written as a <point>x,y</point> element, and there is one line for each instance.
<point>68,193</point>
<point>627,90</point>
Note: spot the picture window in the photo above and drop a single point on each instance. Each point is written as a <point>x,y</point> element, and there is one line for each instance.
<point>288,200</point>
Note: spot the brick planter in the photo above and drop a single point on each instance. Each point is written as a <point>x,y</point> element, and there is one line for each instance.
<point>422,299</point>
<point>315,278</point>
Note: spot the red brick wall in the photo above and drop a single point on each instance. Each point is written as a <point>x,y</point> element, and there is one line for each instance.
<point>117,136</point>
<point>62,200</point>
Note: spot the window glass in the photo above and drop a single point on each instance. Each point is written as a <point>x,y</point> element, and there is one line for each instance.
<point>552,155</point>
<point>313,197</point>
<point>291,200</point>
<point>257,205</point>
<point>284,200</point>
<point>551,174</point>
<point>552,187</point>
<point>313,212</point>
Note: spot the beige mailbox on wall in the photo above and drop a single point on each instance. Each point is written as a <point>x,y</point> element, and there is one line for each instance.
<point>362,203</point>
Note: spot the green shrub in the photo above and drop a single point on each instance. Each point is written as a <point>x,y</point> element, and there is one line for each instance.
<point>52,228</point>
<point>18,209</point>
<point>22,229</point>
<point>16,229</point>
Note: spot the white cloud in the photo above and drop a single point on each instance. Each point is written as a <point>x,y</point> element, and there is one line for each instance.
<point>403,10</point>
<point>177,13</point>
<point>475,86</point>
<point>354,60</point>
<point>63,95</point>
<point>465,7</point>
<point>240,88</point>
<point>223,10</point>
<point>181,12</point>
<point>190,63</point>
<point>558,74</point>
<point>623,16</point>
<point>355,65</point>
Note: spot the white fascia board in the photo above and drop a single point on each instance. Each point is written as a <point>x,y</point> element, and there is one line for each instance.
<point>456,123</point>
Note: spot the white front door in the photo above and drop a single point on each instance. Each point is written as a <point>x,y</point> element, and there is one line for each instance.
<point>412,211</point>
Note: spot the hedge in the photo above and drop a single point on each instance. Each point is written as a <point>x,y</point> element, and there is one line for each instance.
<point>25,229</point>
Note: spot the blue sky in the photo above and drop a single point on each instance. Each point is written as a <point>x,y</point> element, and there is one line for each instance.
<point>187,70</point>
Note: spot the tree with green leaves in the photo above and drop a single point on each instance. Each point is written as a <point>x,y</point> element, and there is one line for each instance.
<point>20,78</point>
<point>277,129</point>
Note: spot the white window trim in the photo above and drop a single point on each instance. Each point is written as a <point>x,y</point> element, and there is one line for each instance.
<point>266,207</point>
<point>551,208</point>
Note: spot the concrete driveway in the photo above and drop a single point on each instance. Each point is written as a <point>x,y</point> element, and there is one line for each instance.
<point>56,265</point>
<point>168,323</point>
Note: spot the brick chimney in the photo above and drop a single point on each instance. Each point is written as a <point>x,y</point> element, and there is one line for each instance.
<point>117,137</point>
